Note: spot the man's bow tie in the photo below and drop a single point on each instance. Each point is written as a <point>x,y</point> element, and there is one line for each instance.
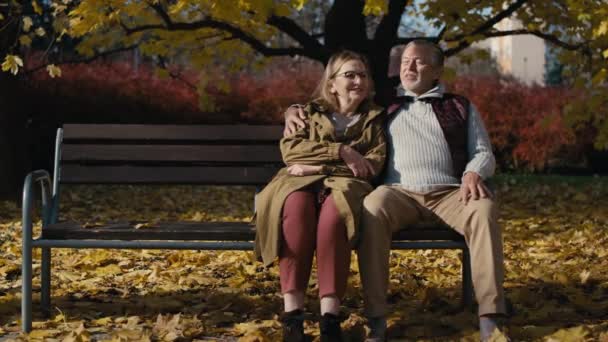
<point>408,99</point>
<point>400,100</point>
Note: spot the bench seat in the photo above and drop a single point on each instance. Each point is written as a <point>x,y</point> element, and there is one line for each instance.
<point>204,231</point>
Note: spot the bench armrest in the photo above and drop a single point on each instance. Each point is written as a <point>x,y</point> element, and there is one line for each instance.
<point>44,179</point>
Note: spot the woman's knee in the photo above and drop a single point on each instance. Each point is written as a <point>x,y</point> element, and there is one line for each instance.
<point>331,222</point>
<point>299,220</point>
<point>299,204</point>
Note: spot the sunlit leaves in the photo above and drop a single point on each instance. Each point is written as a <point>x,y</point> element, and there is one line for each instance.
<point>25,40</point>
<point>36,7</point>
<point>12,63</point>
<point>27,24</point>
<point>602,29</point>
<point>225,31</point>
<point>40,32</point>
<point>375,7</point>
<point>298,4</point>
<point>53,70</point>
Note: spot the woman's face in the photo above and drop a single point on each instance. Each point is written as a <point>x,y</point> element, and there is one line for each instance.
<point>351,83</point>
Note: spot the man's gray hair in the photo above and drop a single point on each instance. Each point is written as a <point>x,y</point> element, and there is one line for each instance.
<point>437,52</point>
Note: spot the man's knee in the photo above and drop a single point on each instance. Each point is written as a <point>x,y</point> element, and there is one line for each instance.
<point>483,217</point>
<point>375,202</point>
<point>484,209</point>
<point>374,217</point>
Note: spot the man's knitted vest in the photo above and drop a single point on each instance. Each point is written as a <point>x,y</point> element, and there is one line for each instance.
<point>452,112</point>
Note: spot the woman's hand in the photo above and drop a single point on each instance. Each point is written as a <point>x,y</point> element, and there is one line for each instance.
<point>304,170</point>
<point>294,119</point>
<point>360,166</point>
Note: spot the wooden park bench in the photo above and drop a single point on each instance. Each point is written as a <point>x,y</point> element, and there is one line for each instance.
<point>155,154</point>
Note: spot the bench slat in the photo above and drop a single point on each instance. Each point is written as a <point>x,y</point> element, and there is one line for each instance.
<point>172,153</point>
<point>172,132</point>
<point>211,231</point>
<point>210,175</point>
<point>208,231</point>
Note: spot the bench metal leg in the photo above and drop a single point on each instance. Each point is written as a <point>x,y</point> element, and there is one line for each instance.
<point>26,280</point>
<point>467,280</point>
<point>45,282</point>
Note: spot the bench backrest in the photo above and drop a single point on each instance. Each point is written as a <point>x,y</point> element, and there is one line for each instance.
<point>168,154</point>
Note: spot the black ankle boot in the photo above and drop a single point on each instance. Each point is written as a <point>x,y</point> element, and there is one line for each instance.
<point>330,328</point>
<point>293,326</point>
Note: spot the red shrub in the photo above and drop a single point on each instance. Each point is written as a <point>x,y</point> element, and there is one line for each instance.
<point>263,98</point>
<point>112,92</point>
<point>524,122</point>
<point>117,92</point>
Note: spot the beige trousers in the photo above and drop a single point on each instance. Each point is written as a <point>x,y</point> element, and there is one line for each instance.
<point>389,208</point>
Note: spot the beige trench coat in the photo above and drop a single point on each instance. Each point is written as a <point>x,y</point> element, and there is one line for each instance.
<point>316,144</point>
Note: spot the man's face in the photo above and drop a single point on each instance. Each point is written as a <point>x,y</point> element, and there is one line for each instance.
<point>418,71</point>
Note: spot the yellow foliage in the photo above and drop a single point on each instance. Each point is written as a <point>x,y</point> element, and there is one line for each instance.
<point>53,70</point>
<point>27,23</point>
<point>40,32</point>
<point>25,40</point>
<point>555,255</point>
<point>12,63</point>
<point>36,7</point>
<point>602,29</point>
<point>375,7</point>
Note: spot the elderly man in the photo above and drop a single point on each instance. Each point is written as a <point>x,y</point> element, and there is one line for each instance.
<point>439,156</point>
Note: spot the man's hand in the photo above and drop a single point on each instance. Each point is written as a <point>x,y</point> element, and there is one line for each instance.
<point>473,188</point>
<point>294,119</point>
<point>304,170</point>
<point>360,166</point>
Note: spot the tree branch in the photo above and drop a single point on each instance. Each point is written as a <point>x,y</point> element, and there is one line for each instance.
<point>292,29</point>
<point>389,25</point>
<point>176,76</point>
<point>464,43</point>
<point>545,36</point>
<point>8,22</point>
<point>442,32</point>
<point>83,60</point>
<point>507,12</point>
<point>256,44</point>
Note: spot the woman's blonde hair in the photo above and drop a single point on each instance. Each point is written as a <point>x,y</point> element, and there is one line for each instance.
<point>323,94</point>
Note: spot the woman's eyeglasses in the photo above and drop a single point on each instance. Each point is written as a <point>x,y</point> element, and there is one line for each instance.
<point>351,75</point>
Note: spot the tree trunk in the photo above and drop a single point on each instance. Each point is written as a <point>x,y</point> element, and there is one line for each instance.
<point>13,141</point>
<point>345,27</point>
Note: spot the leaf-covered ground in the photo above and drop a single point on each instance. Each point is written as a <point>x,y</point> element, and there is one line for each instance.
<point>556,249</point>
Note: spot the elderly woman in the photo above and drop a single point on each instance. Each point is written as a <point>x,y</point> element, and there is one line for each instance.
<point>315,202</point>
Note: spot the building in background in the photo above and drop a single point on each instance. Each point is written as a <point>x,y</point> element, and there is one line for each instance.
<point>520,56</point>
<point>526,58</point>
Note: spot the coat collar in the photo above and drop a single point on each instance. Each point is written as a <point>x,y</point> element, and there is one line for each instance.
<point>317,106</point>
<point>321,115</point>
<point>406,96</point>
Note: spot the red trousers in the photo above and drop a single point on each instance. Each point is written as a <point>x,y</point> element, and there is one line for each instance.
<point>309,224</point>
